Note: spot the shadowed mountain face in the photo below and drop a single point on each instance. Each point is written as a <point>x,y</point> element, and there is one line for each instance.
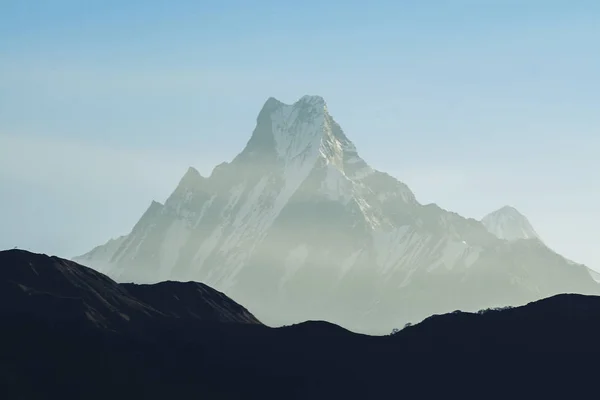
<point>189,340</point>
<point>59,290</point>
<point>298,226</point>
<point>190,300</point>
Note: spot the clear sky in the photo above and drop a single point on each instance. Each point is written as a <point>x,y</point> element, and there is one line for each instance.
<point>475,104</point>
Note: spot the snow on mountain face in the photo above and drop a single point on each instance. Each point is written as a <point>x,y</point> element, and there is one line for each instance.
<point>298,226</point>
<point>509,224</point>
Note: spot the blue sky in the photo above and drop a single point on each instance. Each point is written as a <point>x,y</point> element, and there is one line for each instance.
<point>475,104</point>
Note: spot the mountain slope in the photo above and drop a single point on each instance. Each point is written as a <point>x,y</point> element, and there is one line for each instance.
<point>298,227</point>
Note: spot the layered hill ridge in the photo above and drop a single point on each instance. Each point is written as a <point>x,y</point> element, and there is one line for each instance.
<point>179,340</point>
<point>60,291</point>
<point>299,227</point>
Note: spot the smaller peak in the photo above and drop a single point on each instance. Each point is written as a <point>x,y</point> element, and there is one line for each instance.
<point>272,102</point>
<point>510,224</point>
<point>192,178</point>
<point>507,210</point>
<point>192,173</point>
<point>155,204</point>
<point>155,207</point>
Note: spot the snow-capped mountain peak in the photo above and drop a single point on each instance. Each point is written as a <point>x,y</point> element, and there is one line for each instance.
<point>298,226</point>
<point>298,138</point>
<point>509,224</point>
<point>302,130</point>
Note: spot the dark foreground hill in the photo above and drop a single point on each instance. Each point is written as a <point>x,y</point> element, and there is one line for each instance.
<point>57,290</point>
<point>70,332</point>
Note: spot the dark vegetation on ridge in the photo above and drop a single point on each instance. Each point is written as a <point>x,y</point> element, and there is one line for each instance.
<point>71,332</point>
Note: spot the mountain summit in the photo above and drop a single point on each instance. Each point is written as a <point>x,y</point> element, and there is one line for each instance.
<point>509,224</point>
<point>299,137</point>
<point>299,227</point>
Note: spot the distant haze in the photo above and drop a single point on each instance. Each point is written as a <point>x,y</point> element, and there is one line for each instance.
<point>474,105</point>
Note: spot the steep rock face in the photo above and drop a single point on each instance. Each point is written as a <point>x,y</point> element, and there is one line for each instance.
<point>298,226</point>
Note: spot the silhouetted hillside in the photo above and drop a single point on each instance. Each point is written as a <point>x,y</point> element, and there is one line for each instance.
<point>563,323</point>
<point>191,300</point>
<point>175,344</point>
<point>54,289</point>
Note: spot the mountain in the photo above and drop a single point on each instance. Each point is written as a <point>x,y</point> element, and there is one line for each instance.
<point>299,227</point>
<point>509,224</point>
<point>171,344</point>
<point>54,289</point>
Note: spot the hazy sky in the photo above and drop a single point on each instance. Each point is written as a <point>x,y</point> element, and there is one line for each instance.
<point>475,104</point>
